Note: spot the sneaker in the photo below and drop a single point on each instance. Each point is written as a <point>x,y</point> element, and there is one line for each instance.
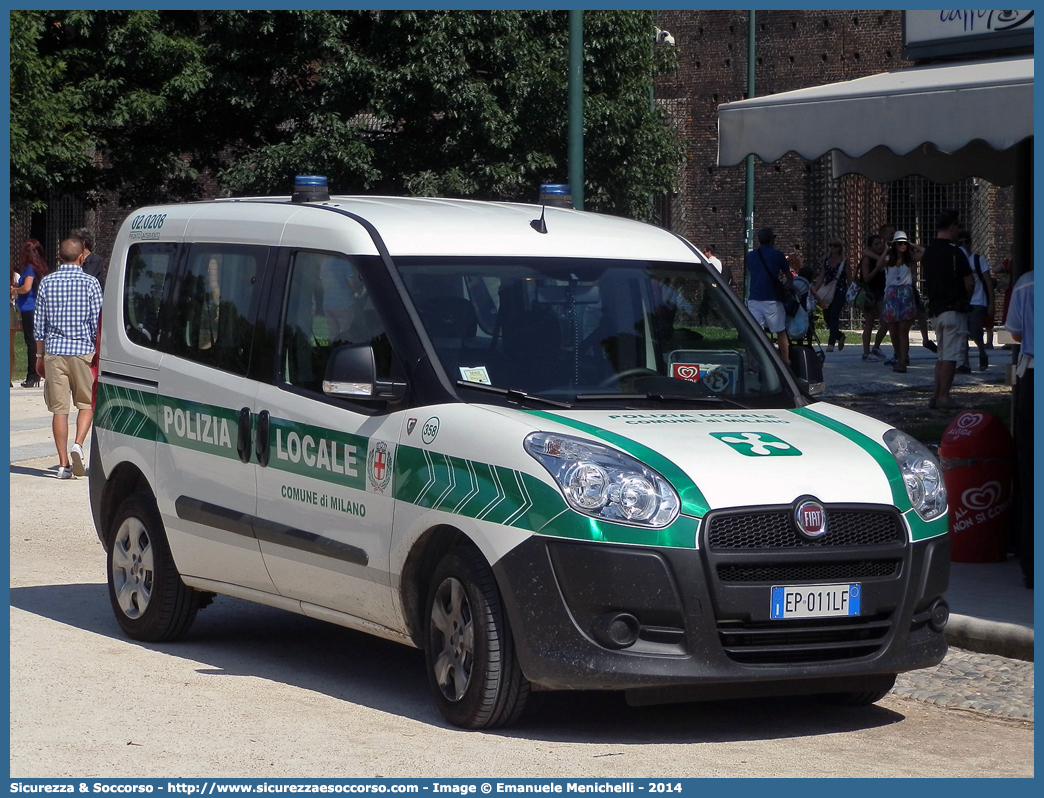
<point>64,472</point>
<point>871,358</point>
<point>963,369</point>
<point>76,453</point>
<point>840,344</point>
<point>891,361</point>
<point>948,404</point>
<point>933,404</point>
<point>830,348</point>
<point>876,351</point>
<point>984,361</point>
<point>931,346</point>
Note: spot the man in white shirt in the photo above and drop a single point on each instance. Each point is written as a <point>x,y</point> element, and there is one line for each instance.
<point>981,302</point>
<point>708,253</point>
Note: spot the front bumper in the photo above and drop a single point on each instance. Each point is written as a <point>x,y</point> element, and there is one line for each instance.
<point>699,619</point>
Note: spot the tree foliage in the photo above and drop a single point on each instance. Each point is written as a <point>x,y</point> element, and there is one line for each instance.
<point>449,103</point>
<point>50,149</point>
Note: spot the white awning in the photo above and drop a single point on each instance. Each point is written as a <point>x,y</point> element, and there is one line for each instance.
<point>912,121</point>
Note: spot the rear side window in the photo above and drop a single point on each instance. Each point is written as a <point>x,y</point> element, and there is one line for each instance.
<point>150,268</point>
<point>217,305</point>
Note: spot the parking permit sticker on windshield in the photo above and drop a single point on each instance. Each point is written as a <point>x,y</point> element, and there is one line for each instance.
<point>475,374</point>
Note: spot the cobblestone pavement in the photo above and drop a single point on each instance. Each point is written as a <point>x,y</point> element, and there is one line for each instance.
<point>979,682</point>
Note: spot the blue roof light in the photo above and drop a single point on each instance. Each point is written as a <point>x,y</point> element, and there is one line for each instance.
<point>310,188</point>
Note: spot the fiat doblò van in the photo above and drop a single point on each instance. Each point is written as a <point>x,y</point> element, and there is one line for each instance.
<point>547,447</point>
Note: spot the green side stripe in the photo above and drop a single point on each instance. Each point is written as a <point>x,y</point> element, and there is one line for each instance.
<point>919,528</point>
<point>455,485</point>
<point>693,501</point>
<point>316,452</point>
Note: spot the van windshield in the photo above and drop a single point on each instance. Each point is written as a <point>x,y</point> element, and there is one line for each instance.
<point>593,331</point>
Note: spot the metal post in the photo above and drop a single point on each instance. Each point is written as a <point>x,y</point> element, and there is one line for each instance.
<point>576,108</point>
<point>1022,207</point>
<point>748,207</point>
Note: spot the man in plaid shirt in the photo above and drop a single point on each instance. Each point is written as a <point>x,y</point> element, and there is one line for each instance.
<point>68,304</point>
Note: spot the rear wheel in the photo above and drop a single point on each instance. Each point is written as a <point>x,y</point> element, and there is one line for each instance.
<point>877,689</point>
<point>149,599</point>
<point>470,654</point>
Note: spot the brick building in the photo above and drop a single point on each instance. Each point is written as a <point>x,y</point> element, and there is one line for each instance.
<point>798,198</point>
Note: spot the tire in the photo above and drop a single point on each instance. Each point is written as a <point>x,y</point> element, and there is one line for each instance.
<point>878,689</point>
<point>469,651</point>
<point>150,601</point>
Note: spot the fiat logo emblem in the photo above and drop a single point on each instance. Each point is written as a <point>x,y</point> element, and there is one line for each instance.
<point>810,517</point>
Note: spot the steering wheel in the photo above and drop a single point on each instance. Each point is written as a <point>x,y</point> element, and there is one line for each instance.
<point>638,371</point>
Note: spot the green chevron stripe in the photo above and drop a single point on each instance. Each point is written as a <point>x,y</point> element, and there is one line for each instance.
<point>693,501</point>
<point>127,411</point>
<point>505,496</point>
<point>919,528</point>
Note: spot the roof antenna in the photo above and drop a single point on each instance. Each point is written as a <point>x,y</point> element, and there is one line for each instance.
<point>557,194</point>
<point>538,224</point>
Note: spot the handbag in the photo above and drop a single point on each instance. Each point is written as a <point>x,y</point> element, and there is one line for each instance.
<point>791,304</point>
<point>853,292</point>
<point>826,293</point>
<point>865,299</point>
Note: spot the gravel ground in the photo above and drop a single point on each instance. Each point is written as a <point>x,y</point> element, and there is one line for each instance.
<point>978,682</point>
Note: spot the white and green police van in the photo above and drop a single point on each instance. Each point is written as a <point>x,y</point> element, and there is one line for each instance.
<point>547,447</point>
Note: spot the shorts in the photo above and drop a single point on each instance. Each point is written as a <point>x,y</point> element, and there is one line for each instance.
<point>67,375</point>
<point>769,314</point>
<point>951,333</point>
<point>976,322</point>
<point>899,304</point>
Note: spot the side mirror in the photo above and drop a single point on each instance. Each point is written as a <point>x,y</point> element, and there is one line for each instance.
<point>351,373</point>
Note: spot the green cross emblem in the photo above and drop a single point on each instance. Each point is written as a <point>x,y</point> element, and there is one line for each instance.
<point>757,444</point>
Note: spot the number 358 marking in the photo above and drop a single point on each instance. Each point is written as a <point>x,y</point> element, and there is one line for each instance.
<point>430,429</point>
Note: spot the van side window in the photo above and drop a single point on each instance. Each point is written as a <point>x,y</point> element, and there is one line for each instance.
<point>150,267</point>
<point>217,305</point>
<point>328,306</point>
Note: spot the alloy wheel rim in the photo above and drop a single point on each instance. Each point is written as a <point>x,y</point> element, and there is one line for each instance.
<point>452,638</point>
<point>133,568</point>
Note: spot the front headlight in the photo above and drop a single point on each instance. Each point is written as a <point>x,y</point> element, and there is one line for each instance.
<point>921,474</point>
<point>603,482</point>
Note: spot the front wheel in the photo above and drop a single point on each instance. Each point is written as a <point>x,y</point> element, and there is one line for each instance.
<point>469,651</point>
<point>149,599</point>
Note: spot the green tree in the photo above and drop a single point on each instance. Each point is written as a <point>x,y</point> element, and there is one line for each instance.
<point>476,103</point>
<point>455,103</point>
<point>50,149</point>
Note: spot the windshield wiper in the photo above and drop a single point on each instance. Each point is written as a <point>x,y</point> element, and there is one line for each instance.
<point>663,397</point>
<point>512,394</point>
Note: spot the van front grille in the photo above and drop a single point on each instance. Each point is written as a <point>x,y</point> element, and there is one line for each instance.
<point>807,571</point>
<point>775,530</point>
<point>782,642</point>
